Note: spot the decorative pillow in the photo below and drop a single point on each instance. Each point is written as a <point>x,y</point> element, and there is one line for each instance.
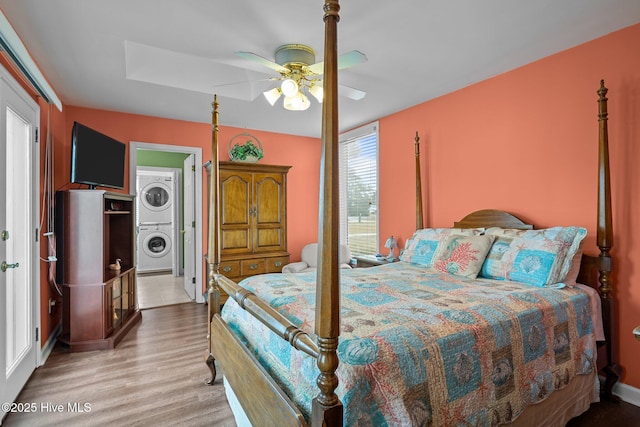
<point>463,255</point>
<point>536,257</point>
<point>424,243</point>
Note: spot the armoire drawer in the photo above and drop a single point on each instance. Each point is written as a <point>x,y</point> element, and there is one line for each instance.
<point>275,264</point>
<point>251,267</point>
<point>230,268</point>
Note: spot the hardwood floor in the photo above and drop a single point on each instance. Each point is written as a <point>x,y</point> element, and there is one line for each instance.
<point>608,414</point>
<point>155,377</point>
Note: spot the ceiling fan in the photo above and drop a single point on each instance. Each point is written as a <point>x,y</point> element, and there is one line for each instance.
<point>300,74</point>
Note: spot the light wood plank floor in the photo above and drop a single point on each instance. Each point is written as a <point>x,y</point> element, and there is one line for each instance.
<point>154,377</point>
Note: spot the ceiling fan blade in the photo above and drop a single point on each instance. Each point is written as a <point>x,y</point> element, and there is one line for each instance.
<point>243,90</point>
<point>345,60</point>
<point>352,93</point>
<point>261,60</point>
<point>346,91</point>
<point>244,82</point>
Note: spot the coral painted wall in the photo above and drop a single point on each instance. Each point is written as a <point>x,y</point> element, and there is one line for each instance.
<point>526,142</point>
<point>301,153</point>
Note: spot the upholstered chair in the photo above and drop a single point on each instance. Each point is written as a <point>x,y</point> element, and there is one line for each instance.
<point>309,259</point>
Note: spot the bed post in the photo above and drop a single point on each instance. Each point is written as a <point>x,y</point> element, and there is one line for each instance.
<point>419,214</point>
<point>213,257</point>
<point>326,407</point>
<point>605,242</point>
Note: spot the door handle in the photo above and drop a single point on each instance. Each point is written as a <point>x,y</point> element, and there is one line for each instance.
<point>4,266</point>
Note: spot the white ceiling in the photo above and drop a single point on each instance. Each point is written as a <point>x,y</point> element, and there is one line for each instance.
<point>167,58</point>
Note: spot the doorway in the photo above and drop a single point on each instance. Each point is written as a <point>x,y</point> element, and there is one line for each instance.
<point>190,225</point>
<point>19,248</point>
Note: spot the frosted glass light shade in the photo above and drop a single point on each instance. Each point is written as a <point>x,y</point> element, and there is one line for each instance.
<point>298,102</point>
<point>289,87</point>
<point>317,92</point>
<point>272,95</point>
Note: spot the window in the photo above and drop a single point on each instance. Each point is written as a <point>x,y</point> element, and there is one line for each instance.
<point>359,189</point>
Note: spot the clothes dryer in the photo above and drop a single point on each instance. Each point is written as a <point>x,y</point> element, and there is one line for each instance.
<point>156,192</point>
<point>155,248</point>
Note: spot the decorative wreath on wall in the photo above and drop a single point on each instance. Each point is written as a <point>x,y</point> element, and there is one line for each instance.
<point>245,147</point>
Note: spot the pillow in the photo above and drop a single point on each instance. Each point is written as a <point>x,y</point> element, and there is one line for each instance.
<point>463,255</point>
<point>424,243</point>
<point>535,257</point>
<point>574,270</point>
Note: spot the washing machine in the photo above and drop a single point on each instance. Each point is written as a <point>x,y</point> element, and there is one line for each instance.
<point>156,191</point>
<point>155,248</point>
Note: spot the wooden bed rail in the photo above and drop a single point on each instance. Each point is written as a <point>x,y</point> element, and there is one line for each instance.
<point>269,317</point>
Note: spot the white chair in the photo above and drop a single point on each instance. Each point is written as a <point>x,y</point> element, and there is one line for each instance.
<point>309,259</point>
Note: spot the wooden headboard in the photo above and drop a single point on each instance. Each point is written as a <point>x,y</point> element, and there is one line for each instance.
<point>492,218</point>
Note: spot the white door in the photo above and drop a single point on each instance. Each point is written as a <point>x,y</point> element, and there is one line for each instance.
<point>189,222</point>
<point>19,272</point>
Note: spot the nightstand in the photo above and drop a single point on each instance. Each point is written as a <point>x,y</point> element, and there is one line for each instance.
<point>365,261</point>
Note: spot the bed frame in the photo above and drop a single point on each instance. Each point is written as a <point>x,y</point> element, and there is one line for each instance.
<point>260,396</point>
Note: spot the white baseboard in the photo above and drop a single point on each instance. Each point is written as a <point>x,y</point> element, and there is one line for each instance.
<point>627,393</point>
<point>51,342</point>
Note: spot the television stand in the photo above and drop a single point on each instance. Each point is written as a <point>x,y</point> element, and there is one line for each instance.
<point>95,228</point>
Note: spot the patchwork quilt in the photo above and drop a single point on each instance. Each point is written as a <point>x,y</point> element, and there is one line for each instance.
<point>419,347</point>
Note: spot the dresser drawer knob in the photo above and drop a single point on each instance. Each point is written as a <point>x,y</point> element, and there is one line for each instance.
<point>278,264</point>
<point>227,269</point>
<point>253,266</point>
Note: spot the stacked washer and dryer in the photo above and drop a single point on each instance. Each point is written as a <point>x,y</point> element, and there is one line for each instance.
<point>156,220</point>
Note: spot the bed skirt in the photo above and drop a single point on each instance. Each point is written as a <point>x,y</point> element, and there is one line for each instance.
<point>555,411</point>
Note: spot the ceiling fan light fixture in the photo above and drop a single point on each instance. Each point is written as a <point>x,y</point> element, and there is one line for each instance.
<point>317,92</point>
<point>298,102</point>
<point>272,95</point>
<point>289,87</point>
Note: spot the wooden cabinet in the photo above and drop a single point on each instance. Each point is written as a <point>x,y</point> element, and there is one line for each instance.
<point>93,229</point>
<point>253,219</point>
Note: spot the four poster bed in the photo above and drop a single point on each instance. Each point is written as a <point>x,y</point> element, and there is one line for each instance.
<point>484,323</point>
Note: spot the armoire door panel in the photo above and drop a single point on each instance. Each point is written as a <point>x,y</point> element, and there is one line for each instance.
<point>235,239</point>
<point>270,238</point>
<point>235,194</point>
<point>269,201</point>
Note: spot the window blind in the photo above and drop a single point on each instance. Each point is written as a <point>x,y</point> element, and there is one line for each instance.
<point>359,189</point>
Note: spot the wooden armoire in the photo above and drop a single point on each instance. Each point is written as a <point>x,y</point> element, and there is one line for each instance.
<point>253,219</point>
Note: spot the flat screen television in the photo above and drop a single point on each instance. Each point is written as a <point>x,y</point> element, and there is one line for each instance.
<point>97,160</point>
